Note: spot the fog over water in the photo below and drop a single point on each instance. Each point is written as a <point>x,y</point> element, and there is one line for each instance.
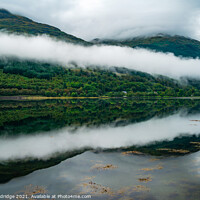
<point>43,146</point>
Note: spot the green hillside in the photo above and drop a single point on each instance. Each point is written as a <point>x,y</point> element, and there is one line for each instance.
<point>178,45</point>
<point>22,25</point>
<point>25,77</point>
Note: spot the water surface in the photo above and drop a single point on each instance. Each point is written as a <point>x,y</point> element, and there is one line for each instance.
<point>110,149</point>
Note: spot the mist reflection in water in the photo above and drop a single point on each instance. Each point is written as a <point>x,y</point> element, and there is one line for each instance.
<point>44,146</point>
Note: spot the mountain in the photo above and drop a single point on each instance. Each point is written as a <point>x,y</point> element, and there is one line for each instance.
<point>178,45</point>
<point>22,25</point>
<point>30,77</point>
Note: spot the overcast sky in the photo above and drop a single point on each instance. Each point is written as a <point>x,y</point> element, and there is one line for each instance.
<point>91,19</point>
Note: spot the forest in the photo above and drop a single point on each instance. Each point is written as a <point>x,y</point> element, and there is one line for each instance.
<point>25,77</point>
<point>33,78</point>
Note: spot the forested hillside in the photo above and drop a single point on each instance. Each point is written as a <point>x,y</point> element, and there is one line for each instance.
<point>22,25</point>
<point>22,77</point>
<point>27,77</point>
<point>178,45</point>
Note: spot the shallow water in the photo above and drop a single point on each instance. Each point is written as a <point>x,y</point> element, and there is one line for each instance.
<point>109,149</point>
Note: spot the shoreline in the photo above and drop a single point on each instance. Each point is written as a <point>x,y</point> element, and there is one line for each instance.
<point>21,98</point>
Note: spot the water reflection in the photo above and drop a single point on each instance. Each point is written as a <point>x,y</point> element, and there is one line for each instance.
<point>177,177</point>
<point>139,134</point>
<point>43,116</point>
<point>121,136</point>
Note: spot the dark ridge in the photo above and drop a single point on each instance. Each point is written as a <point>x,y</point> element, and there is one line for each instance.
<point>22,25</point>
<point>178,45</point>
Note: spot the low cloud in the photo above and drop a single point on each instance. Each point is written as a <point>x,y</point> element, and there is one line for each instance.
<point>43,48</point>
<point>91,19</point>
<point>43,146</point>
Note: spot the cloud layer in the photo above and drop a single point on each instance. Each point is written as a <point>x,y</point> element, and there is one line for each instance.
<point>45,49</point>
<point>91,19</point>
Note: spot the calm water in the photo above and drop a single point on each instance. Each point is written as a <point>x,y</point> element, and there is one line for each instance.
<point>109,149</point>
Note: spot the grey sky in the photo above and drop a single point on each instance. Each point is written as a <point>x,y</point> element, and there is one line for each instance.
<point>90,19</point>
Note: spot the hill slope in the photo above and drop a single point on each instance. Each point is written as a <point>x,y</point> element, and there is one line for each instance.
<point>26,77</point>
<point>178,45</point>
<point>18,24</point>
